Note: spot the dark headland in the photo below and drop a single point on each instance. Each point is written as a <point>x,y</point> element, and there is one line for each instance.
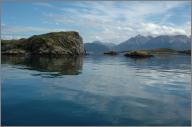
<point>54,43</point>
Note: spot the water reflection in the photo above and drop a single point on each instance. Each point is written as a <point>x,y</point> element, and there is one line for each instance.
<point>109,91</point>
<point>58,66</point>
<point>161,62</point>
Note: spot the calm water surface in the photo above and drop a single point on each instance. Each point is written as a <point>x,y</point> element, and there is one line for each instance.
<point>96,90</point>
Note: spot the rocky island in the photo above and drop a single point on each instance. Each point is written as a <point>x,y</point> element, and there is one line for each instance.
<point>147,53</point>
<point>138,54</point>
<point>54,43</point>
<point>111,53</point>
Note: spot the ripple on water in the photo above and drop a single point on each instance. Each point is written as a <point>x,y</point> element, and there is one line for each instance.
<point>111,90</point>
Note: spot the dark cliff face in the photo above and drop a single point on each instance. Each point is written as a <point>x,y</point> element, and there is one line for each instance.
<point>55,43</point>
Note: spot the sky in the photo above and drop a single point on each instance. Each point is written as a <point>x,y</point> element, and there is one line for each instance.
<point>106,21</point>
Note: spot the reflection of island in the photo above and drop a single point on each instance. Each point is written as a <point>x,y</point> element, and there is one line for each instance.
<point>60,65</point>
<point>162,62</point>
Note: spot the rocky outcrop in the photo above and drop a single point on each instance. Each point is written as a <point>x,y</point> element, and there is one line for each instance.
<point>138,54</point>
<point>54,43</point>
<point>111,53</point>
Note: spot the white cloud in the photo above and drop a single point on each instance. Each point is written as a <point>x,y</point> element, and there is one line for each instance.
<point>22,29</point>
<point>187,27</point>
<point>10,37</point>
<point>155,29</point>
<point>44,4</point>
<point>110,21</point>
<point>106,18</point>
<point>16,32</point>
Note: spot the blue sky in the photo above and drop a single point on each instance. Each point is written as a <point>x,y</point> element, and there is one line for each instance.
<point>107,21</point>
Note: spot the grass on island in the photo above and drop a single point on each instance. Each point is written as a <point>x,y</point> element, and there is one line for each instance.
<point>138,54</point>
<point>159,51</point>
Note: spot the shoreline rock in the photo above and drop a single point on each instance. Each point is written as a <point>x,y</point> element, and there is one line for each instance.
<point>138,54</point>
<point>54,43</point>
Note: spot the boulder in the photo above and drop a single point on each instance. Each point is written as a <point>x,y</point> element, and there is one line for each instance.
<point>54,43</point>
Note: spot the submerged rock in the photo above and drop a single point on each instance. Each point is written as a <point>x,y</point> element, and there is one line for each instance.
<point>138,54</point>
<point>111,53</point>
<point>54,43</point>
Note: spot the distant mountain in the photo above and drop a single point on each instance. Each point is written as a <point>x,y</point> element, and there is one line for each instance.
<point>133,43</point>
<point>96,47</point>
<point>109,45</point>
<point>177,42</point>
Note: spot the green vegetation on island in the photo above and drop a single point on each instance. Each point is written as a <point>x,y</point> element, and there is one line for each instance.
<point>152,52</point>
<point>167,51</point>
<point>138,54</point>
<point>54,43</point>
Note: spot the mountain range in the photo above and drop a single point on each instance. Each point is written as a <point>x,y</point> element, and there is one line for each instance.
<point>97,47</point>
<point>139,42</point>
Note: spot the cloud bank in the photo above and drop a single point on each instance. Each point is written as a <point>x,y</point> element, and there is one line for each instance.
<point>110,21</point>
